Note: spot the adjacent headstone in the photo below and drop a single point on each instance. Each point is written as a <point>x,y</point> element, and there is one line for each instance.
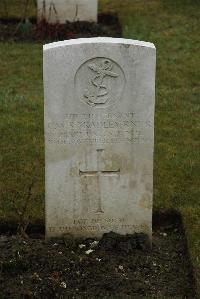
<point>99,136</point>
<point>67,10</point>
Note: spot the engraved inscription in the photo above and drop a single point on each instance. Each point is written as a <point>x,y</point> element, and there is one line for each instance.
<point>100,224</point>
<point>99,82</point>
<point>97,174</point>
<point>110,128</point>
<point>100,228</point>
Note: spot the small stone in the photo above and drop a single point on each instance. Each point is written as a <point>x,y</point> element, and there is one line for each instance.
<point>81,246</point>
<point>36,277</point>
<point>63,285</point>
<point>89,251</point>
<point>163,234</point>
<point>21,279</point>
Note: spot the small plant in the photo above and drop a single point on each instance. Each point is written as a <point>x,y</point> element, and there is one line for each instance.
<point>23,216</point>
<point>25,29</point>
<point>45,31</point>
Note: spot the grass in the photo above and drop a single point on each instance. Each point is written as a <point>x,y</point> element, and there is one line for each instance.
<point>22,146</point>
<point>173,27</point>
<point>17,8</point>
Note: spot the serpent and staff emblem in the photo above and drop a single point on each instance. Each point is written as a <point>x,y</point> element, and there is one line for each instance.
<point>99,82</point>
<point>99,94</point>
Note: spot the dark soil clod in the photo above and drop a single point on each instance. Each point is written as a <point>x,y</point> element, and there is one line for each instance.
<point>126,244</point>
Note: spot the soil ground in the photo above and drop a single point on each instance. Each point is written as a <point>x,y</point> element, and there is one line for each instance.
<point>112,268</point>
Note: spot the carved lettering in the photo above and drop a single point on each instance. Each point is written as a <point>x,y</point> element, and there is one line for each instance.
<point>89,129</point>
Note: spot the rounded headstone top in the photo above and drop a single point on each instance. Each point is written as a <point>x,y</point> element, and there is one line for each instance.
<point>96,40</point>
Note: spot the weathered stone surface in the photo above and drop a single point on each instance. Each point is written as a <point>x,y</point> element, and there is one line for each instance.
<point>99,136</point>
<point>67,10</point>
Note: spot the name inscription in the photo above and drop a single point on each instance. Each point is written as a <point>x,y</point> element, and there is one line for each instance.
<point>98,128</point>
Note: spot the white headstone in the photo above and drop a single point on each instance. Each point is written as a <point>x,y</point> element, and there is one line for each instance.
<point>67,10</point>
<point>99,136</point>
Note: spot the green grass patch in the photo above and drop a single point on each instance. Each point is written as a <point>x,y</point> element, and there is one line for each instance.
<point>18,8</point>
<point>21,128</point>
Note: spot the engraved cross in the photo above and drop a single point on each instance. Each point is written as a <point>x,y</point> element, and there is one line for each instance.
<point>99,173</point>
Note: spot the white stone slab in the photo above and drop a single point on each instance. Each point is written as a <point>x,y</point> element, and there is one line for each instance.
<point>67,10</point>
<point>99,136</point>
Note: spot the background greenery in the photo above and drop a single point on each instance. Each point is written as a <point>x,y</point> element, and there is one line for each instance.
<point>172,25</point>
